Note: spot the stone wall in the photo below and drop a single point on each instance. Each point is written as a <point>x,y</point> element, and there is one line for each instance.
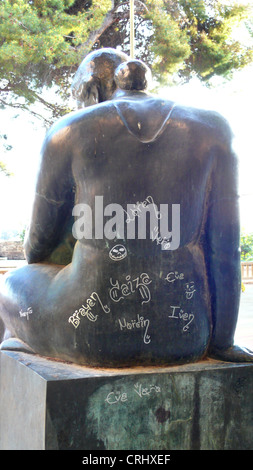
<point>11,249</point>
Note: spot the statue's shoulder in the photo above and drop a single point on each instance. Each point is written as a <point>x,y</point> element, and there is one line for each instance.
<point>210,121</point>
<point>85,118</point>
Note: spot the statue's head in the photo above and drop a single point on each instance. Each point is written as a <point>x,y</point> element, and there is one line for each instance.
<point>133,75</point>
<point>94,80</point>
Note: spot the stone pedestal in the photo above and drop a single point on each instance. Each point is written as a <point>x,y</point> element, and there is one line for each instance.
<point>54,405</point>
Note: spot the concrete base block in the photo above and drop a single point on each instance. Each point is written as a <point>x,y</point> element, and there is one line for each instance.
<point>48,404</point>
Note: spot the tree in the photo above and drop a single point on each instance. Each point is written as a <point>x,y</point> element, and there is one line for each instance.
<point>246,246</point>
<point>42,42</point>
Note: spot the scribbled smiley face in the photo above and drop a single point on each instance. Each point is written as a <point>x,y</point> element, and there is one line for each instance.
<point>118,252</point>
<point>189,289</point>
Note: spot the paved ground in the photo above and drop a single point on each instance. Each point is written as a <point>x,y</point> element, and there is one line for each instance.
<point>244,330</point>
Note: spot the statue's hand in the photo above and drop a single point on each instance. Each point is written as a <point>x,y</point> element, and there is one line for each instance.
<point>232,354</point>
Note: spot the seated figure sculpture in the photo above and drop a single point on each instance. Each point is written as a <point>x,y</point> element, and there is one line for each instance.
<point>130,292</point>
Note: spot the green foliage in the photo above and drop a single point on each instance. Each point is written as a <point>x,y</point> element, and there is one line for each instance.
<point>169,42</point>
<point>41,45</point>
<point>197,36</point>
<point>42,42</point>
<point>246,246</point>
<point>22,234</point>
<point>41,31</point>
<point>214,51</point>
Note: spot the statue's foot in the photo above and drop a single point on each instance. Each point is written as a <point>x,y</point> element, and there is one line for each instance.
<point>232,354</point>
<point>15,344</point>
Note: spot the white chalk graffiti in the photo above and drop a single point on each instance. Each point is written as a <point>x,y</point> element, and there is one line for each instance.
<point>189,287</point>
<point>27,313</point>
<point>159,240</point>
<point>181,315</point>
<point>118,252</point>
<point>173,276</point>
<point>85,311</point>
<point>137,208</point>
<point>116,397</point>
<point>140,322</point>
<point>119,291</point>
<point>189,290</point>
<point>144,391</point>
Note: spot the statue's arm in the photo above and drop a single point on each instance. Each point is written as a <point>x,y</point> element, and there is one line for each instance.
<point>222,243</point>
<point>53,202</point>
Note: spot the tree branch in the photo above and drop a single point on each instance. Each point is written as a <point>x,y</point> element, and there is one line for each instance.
<point>94,35</point>
<point>26,108</point>
<point>109,19</point>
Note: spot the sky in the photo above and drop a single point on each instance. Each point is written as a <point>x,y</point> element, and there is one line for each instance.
<point>16,191</point>
<point>233,99</point>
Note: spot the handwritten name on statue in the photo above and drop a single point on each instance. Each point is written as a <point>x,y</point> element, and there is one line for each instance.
<point>179,314</point>
<point>121,397</point>
<point>189,287</point>
<point>135,324</point>
<point>119,291</point>
<point>160,240</point>
<point>116,292</point>
<point>173,276</point>
<point>26,314</point>
<point>137,208</point>
<point>86,310</point>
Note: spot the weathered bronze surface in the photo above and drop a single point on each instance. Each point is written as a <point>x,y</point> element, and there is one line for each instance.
<point>126,301</point>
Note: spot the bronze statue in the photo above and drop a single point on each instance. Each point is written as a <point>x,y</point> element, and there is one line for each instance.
<point>116,297</point>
